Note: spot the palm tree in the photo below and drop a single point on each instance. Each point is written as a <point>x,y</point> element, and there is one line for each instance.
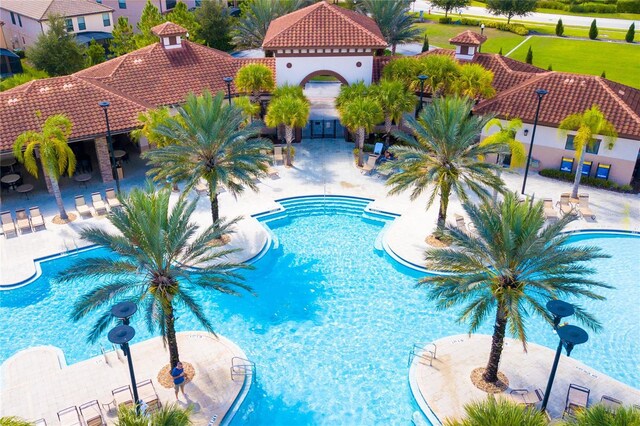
<point>157,247</point>
<point>498,412</point>
<point>403,69</point>
<point>394,20</point>
<point>211,142</point>
<point>360,116</point>
<point>349,93</point>
<point>442,70</point>
<point>512,265</point>
<point>254,79</point>
<point>55,154</point>
<point>588,124</point>
<point>150,120</point>
<point>167,415</point>
<point>291,109</point>
<point>444,153</point>
<point>14,421</point>
<point>506,135</point>
<point>395,100</point>
<point>474,81</point>
<point>598,415</point>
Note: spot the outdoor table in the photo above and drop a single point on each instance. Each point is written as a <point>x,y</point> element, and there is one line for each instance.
<point>8,162</point>
<point>83,178</point>
<point>10,179</point>
<point>118,154</point>
<point>25,189</point>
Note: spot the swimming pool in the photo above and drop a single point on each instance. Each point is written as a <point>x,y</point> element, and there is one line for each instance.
<point>334,320</point>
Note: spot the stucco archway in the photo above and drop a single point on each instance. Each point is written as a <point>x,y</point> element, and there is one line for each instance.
<point>340,78</point>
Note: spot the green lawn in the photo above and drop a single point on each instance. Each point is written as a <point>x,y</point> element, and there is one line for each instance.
<point>620,61</point>
<point>440,34</point>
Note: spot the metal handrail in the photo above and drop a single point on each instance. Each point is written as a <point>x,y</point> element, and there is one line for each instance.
<point>426,351</point>
<point>245,368</point>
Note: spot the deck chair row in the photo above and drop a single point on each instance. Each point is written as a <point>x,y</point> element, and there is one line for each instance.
<point>566,207</point>
<point>98,203</point>
<point>24,221</point>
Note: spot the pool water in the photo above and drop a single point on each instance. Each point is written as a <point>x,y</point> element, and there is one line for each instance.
<point>333,323</point>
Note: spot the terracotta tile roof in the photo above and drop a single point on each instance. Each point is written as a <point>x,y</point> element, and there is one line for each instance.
<point>323,25</point>
<point>167,29</point>
<point>75,97</point>
<point>40,9</point>
<point>164,77</point>
<point>568,94</point>
<point>468,38</point>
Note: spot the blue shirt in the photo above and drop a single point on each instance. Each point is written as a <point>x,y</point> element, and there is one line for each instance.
<point>175,373</point>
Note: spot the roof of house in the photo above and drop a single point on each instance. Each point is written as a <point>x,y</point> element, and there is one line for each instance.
<point>569,94</point>
<point>167,29</point>
<point>161,76</point>
<point>41,9</point>
<point>323,25</point>
<point>468,38</point>
<point>75,97</point>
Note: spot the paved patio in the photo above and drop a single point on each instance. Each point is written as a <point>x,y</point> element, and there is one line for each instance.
<point>446,385</point>
<point>37,383</point>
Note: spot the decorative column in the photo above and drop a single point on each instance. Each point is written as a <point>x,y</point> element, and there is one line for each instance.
<point>104,160</point>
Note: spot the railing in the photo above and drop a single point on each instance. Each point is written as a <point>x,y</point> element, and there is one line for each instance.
<point>241,367</point>
<point>425,351</point>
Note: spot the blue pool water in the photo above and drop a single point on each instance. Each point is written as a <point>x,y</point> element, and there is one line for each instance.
<point>333,322</point>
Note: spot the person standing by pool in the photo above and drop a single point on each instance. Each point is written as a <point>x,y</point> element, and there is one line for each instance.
<point>178,378</point>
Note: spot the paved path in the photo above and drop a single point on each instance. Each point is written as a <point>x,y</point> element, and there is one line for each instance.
<point>545,18</point>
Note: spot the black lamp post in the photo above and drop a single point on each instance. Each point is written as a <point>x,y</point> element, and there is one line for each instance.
<point>541,93</point>
<point>105,106</point>
<point>570,335</point>
<point>122,335</point>
<point>422,79</point>
<point>228,80</point>
<point>124,311</point>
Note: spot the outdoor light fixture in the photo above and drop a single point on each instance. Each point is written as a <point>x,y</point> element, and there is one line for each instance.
<point>122,335</point>
<point>570,335</point>
<point>422,79</point>
<point>124,311</point>
<point>105,106</point>
<point>541,93</point>
<point>228,80</point>
<point>526,132</point>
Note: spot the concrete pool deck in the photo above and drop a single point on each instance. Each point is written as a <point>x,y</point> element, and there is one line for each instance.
<point>37,383</point>
<point>446,385</point>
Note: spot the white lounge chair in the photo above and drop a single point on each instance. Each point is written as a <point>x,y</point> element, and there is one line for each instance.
<point>98,203</point>
<point>36,218</point>
<point>524,396</point>
<point>370,165</point>
<point>22,220</point>
<point>69,416</point>
<point>583,206</point>
<point>92,414</point>
<point>8,227</point>
<point>577,399</point>
<point>549,212</point>
<point>278,155</point>
<point>565,204</point>
<point>147,393</point>
<point>112,198</point>
<point>82,207</point>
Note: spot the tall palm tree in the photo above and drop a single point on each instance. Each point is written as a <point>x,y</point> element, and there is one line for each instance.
<point>55,154</point>
<point>157,247</point>
<point>291,109</point>
<point>506,135</point>
<point>254,79</point>
<point>498,412</point>
<point>395,100</point>
<point>403,69</point>
<point>349,93</point>
<point>167,415</point>
<point>394,20</point>
<point>443,153</point>
<point>587,125</point>
<point>598,415</point>
<point>150,120</point>
<point>211,142</point>
<point>510,268</point>
<point>474,81</point>
<point>360,116</point>
<point>442,70</point>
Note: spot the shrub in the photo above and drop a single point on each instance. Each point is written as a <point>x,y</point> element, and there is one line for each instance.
<point>549,4</point>
<point>503,26</point>
<point>529,58</point>
<point>593,30</point>
<point>500,52</point>
<point>550,68</point>
<point>631,33</point>
<point>593,8</point>
<point>444,20</point>
<point>368,147</point>
<point>559,28</point>
<point>603,75</point>
<point>20,53</point>
<point>470,22</point>
<point>628,6</point>
<point>586,180</point>
<point>425,44</point>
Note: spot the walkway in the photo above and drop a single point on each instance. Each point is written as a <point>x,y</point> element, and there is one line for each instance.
<point>37,383</point>
<point>446,385</point>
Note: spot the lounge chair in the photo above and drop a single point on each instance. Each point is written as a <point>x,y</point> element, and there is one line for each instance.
<point>8,227</point>
<point>278,155</point>
<point>610,402</point>
<point>272,172</point>
<point>122,396</point>
<point>202,187</point>
<point>81,206</point>
<point>98,203</point>
<point>39,422</point>
<point>462,225</point>
<point>577,399</point>
<point>377,148</point>
<point>36,218</point>
<point>92,414</point>
<point>549,212</point>
<point>69,416</point>
<point>22,220</point>
<point>147,393</point>
<point>370,165</point>
<point>524,396</point>
<point>112,198</point>
<point>565,204</point>
<point>583,206</point>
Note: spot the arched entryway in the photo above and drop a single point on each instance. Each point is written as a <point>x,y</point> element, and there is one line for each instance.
<point>322,73</point>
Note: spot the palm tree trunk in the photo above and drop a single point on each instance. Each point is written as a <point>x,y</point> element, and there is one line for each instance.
<point>213,200</point>
<point>445,191</point>
<point>288,136</point>
<point>360,139</point>
<point>393,49</point>
<point>498,174</point>
<point>491,372</point>
<point>387,128</point>
<point>172,342</point>
<point>55,188</point>
<point>576,181</point>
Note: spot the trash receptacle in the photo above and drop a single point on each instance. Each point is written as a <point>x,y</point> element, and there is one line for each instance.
<point>120,172</point>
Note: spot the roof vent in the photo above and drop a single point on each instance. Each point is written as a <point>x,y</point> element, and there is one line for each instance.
<point>621,92</point>
<point>12,101</point>
<point>67,86</point>
<point>583,83</point>
<point>137,61</point>
<point>45,89</point>
<point>170,34</point>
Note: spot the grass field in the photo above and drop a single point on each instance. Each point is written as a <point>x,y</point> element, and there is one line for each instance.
<point>620,61</point>
<point>440,34</point>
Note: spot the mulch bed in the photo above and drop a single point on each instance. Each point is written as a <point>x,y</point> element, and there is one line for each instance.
<point>165,379</point>
<point>500,386</point>
<point>434,242</point>
<point>56,219</point>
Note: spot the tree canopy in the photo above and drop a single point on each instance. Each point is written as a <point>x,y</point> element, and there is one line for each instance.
<point>449,5</point>
<point>394,20</point>
<point>149,18</point>
<point>511,8</point>
<point>56,51</point>
<point>214,25</point>
<point>123,40</point>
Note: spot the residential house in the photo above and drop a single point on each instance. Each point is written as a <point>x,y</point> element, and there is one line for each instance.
<point>132,9</point>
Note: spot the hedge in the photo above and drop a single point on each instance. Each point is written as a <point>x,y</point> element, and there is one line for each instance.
<point>444,20</point>
<point>502,26</point>
<point>586,180</point>
<point>593,8</point>
<point>628,6</point>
